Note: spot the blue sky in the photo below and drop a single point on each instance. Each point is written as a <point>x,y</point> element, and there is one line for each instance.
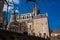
<point>52,7</point>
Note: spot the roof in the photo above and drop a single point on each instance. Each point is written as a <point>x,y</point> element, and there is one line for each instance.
<point>55,31</point>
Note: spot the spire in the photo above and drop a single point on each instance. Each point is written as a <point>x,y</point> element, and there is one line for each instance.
<point>35,10</point>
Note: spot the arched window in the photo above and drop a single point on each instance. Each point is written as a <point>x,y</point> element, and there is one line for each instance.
<point>44,34</point>
<point>27,17</point>
<point>40,34</point>
<point>23,17</point>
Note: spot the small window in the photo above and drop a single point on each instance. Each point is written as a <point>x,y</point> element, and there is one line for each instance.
<point>27,17</point>
<point>40,34</point>
<point>23,17</point>
<point>32,16</point>
<point>44,34</point>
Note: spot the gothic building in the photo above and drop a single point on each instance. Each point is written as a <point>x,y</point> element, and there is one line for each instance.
<point>34,23</point>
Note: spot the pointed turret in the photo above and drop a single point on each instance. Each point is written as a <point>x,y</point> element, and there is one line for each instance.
<point>35,10</point>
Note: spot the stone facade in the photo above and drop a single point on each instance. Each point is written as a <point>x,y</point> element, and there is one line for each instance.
<point>34,23</point>
<point>40,25</point>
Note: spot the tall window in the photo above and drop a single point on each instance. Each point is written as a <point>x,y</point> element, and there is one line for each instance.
<point>40,34</point>
<point>23,17</point>
<point>27,17</point>
<point>44,34</point>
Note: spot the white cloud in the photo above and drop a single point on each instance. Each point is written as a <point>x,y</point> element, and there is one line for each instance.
<point>15,1</point>
<point>16,11</point>
<point>9,0</point>
<point>5,8</point>
<point>9,8</point>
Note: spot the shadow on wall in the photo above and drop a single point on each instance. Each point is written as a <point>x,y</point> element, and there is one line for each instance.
<point>8,35</point>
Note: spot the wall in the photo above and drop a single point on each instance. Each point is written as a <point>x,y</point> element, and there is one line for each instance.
<point>41,26</point>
